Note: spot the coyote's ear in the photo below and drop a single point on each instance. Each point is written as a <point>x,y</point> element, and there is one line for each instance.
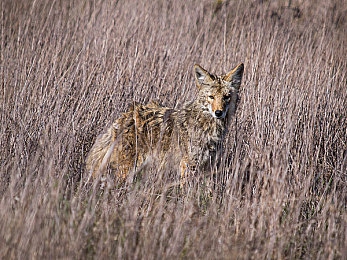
<point>201,75</point>
<point>235,76</point>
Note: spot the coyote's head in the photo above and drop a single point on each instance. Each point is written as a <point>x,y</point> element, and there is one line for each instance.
<point>218,93</point>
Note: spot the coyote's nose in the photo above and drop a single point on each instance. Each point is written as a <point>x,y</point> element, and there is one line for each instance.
<point>218,113</point>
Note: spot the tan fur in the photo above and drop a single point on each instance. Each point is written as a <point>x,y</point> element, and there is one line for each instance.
<point>191,136</point>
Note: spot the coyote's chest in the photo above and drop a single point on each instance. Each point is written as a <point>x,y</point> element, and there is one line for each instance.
<point>201,136</point>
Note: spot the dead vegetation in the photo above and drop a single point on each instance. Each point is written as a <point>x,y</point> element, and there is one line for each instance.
<point>68,68</point>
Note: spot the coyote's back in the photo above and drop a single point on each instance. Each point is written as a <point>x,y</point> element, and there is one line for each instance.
<point>191,136</point>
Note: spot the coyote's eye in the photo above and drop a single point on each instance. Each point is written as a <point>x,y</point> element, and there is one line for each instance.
<point>226,98</point>
<point>211,97</point>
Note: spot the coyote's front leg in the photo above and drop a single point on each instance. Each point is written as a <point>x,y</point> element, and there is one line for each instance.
<point>187,168</point>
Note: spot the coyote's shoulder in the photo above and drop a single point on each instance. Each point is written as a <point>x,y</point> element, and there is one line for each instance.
<point>192,135</point>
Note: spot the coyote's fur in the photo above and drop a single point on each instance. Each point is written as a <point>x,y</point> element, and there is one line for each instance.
<point>191,136</point>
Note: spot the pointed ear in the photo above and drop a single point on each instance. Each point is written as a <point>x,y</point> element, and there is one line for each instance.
<point>201,75</point>
<point>235,76</point>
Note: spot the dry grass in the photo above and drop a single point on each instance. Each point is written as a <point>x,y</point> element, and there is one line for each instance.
<point>70,67</point>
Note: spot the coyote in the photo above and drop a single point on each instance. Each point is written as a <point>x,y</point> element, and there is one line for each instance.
<point>190,137</point>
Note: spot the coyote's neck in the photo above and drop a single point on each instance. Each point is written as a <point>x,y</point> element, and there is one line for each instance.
<point>213,128</point>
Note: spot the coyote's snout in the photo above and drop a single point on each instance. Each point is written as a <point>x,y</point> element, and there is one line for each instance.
<point>191,136</point>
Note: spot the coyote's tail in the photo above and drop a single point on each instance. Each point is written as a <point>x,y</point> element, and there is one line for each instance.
<point>101,151</point>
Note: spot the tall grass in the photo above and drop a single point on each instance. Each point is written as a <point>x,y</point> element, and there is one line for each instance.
<point>68,68</point>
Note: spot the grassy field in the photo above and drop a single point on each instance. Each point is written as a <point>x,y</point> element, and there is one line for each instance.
<point>68,68</point>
